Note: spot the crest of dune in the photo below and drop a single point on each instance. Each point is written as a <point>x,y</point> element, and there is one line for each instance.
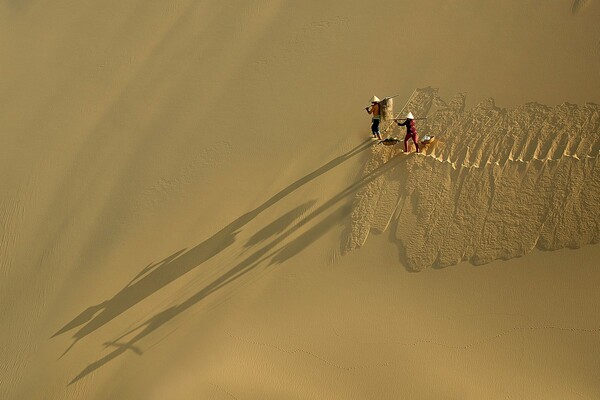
<point>496,184</point>
<point>192,206</point>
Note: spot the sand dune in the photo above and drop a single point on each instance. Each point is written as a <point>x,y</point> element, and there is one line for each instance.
<point>191,206</point>
<point>497,184</point>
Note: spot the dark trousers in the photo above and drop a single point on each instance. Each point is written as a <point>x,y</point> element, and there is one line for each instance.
<point>375,127</point>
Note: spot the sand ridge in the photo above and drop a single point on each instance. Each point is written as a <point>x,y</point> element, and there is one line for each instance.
<point>497,184</point>
<point>176,177</point>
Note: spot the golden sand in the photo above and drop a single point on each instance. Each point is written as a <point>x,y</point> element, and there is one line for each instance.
<point>191,206</point>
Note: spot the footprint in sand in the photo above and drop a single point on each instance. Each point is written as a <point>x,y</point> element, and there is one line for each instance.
<point>499,183</point>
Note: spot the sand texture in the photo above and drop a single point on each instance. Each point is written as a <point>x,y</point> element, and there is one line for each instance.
<point>192,206</point>
<point>496,184</point>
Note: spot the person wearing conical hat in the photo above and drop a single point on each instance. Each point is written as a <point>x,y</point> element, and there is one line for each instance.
<point>411,131</point>
<point>375,110</point>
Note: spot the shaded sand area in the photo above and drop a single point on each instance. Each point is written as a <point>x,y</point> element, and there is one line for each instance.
<point>496,184</point>
<point>190,205</point>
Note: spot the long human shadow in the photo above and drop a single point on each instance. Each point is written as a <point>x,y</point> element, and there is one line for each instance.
<point>241,269</point>
<point>279,225</point>
<point>156,276</point>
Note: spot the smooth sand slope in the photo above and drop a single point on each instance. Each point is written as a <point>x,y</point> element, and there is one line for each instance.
<point>191,206</point>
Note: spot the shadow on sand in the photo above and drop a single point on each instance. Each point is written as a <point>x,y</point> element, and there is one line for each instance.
<point>156,276</point>
<point>268,253</point>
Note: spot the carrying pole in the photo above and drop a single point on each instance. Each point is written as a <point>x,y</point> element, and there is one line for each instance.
<point>391,126</point>
<point>386,98</point>
<point>409,99</point>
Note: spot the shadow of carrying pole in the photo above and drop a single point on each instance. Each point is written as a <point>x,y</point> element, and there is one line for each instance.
<point>247,265</point>
<point>154,277</point>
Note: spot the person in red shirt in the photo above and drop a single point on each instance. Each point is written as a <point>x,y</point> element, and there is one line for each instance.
<point>411,131</point>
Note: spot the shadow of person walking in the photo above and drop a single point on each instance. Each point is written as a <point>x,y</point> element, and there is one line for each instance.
<point>156,276</point>
<point>244,267</point>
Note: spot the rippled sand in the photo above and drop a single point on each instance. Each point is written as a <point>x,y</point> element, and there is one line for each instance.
<point>191,206</point>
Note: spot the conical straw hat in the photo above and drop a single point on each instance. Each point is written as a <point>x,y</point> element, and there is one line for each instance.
<point>375,99</point>
<point>410,116</point>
